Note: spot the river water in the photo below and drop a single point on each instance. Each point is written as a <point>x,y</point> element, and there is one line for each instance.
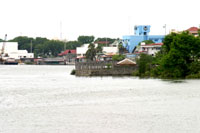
<point>47,99</point>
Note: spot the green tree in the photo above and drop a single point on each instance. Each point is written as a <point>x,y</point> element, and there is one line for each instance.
<point>91,52</point>
<point>39,40</point>
<point>23,42</point>
<point>53,47</point>
<point>85,39</point>
<point>179,52</point>
<point>72,44</point>
<point>146,42</point>
<point>118,57</point>
<point>99,49</point>
<point>39,50</point>
<point>144,64</point>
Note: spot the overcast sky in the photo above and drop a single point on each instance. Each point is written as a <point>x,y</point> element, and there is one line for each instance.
<point>101,18</point>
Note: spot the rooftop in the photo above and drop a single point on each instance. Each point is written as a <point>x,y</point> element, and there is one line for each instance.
<point>193,29</point>
<point>68,51</point>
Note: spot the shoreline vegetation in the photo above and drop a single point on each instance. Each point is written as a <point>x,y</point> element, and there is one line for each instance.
<point>179,58</point>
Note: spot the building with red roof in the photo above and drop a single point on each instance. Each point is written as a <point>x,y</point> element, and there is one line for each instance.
<point>193,30</point>
<point>69,55</point>
<point>68,51</point>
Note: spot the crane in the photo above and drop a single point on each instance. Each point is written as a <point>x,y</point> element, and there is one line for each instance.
<point>2,49</point>
<point>3,46</point>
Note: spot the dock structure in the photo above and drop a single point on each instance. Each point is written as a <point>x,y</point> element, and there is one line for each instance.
<point>51,61</point>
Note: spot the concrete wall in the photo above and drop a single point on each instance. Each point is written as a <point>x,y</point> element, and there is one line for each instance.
<point>102,69</point>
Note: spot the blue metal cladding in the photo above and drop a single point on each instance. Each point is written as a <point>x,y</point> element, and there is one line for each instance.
<point>141,34</point>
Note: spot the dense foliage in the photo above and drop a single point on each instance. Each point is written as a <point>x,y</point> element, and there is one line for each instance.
<point>85,39</point>
<point>93,52</point>
<point>44,47</point>
<point>118,57</point>
<point>144,64</point>
<point>146,42</point>
<point>180,52</point>
<point>179,58</point>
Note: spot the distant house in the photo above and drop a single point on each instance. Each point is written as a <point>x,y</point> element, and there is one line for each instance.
<point>150,49</point>
<point>193,31</point>
<point>69,55</point>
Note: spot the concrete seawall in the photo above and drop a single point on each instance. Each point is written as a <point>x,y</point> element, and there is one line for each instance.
<point>102,69</point>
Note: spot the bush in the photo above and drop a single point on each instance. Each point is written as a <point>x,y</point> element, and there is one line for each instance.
<point>108,66</point>
<point>135,73</point>
<point>194,67</point>
<point>73,72</point>
<point>118,57</point>
<point>193,76</point>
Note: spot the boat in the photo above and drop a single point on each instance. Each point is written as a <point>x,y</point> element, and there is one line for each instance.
<point>10,61</point>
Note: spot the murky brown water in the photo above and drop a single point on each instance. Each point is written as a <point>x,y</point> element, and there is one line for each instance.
<point>46,99</point>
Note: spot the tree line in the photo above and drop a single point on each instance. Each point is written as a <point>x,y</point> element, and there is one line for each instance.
<point>43,47</point>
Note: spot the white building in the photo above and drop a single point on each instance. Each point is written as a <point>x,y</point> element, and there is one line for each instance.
<point>110,50</point>
<point>81,51</point>
<point>11,51</point>
<point>150,49</point>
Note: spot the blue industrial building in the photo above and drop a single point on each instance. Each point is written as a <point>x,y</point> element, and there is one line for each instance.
<point>141,34</point>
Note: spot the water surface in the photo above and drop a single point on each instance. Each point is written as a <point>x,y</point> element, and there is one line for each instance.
<point>47,99</point>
